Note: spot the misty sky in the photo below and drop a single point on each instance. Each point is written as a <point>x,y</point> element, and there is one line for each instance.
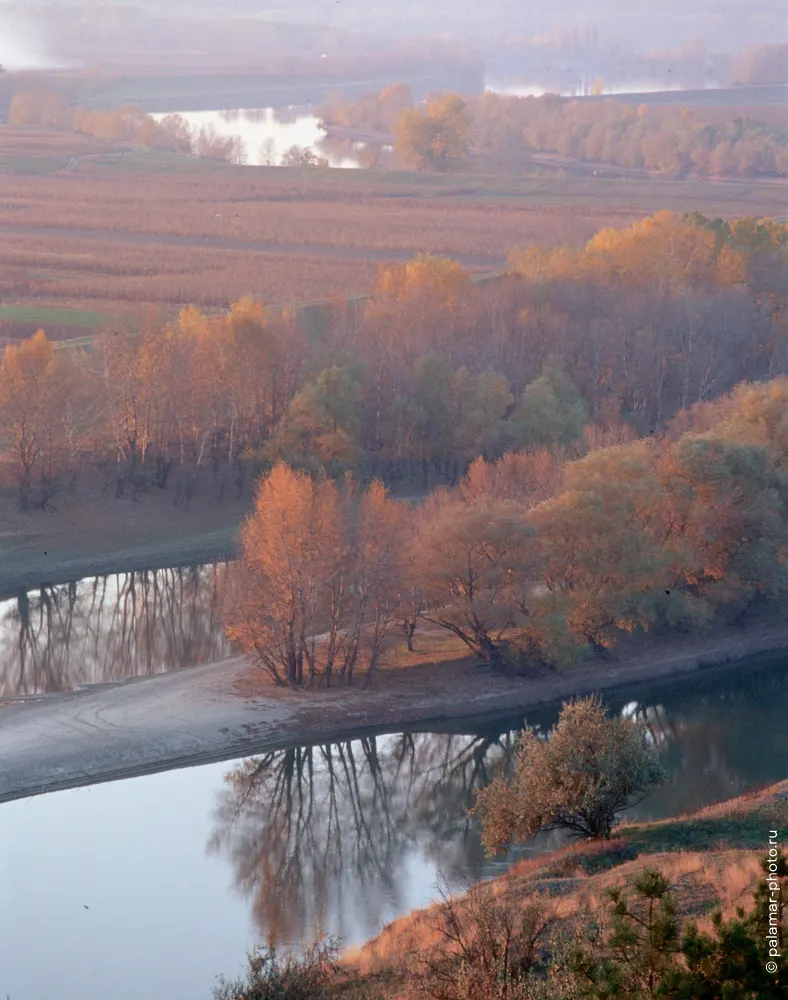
<point>27,39</point>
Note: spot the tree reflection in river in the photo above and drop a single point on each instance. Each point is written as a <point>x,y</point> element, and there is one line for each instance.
<point>108,628</point>
<point>333,835</point>
<point>327,834</point>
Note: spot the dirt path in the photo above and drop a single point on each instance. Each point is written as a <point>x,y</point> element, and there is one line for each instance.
<point>213,713</point>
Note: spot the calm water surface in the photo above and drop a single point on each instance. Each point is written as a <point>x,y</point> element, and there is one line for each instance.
<point>109,628</point>
<point>570,84</point>
<point>154,886</point>
<point>268,133</point>
<point>173,877</point>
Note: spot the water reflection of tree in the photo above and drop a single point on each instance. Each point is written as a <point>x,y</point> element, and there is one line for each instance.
<point>109,628</point>
<point>322,836</point>
<point>325,835</point>
<point>705,735</point>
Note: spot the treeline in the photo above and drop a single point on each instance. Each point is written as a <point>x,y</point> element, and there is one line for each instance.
<point>376,112</point>
<point>567,350</point>
<point>667,140</point>
<point>505,131</point>
<point>126,124</point>
<point>530,559</point>
<point>766,64</point>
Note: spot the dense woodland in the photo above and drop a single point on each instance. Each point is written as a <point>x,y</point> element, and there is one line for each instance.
<point>530,559</point>
<point>565,351</point>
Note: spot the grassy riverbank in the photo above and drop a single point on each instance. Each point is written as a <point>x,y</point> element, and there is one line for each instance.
<point>711,858</point>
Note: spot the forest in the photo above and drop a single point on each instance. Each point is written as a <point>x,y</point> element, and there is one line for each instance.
<point>531,562</point>
<point>638,375</point>
<point>565,350</point>
<point>505,132</point>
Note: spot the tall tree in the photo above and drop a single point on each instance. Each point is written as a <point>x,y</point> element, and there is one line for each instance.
<point>435,137</point>
<point>474,567</point>
<point>319,580</point>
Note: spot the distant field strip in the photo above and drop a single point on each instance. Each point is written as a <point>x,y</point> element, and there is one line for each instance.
<point>313,307</point>
<point>53,316</point>
<point>218,243</point>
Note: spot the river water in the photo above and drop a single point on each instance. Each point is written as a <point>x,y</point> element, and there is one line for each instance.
<point>109,628</point>
<point>268,133</point>
<point>154,886</point>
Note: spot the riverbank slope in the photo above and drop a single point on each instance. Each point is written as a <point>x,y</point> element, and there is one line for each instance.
<point>711,858</point>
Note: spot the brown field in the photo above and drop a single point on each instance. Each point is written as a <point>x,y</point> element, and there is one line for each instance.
<point>21,142</point>
<point>255,208</point>
<point>111,235</point>
<point>96,274</point>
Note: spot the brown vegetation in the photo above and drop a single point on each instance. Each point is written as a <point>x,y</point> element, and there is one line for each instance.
<point>590,769</point>
<point>504,132</point>
<point>637,325</point>
<point>568,892</point>
<point>126,125</point>
<point>665,534</point>
<point>119,275</point>
<point>321,571</point>
<point>178,232</point>
<point>258,206</point>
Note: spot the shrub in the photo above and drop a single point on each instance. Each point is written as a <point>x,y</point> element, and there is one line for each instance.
<point>590,768</point>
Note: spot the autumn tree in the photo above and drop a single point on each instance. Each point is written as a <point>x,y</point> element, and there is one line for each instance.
<point>394,100</point>
<point>528,477</point>
<point>589,769</point>
<point>729,505</point>
<point>208,142</point>
<point>550,410</point>
<point>604,557</point>
<point>36,416</point>
<point>434,137</point>
<point>302,156</point>
<point>320,429</point>
<point>474,568</point>
<point>319,578</point>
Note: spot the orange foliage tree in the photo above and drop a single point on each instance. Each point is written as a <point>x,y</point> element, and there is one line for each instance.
<point>320,578</point>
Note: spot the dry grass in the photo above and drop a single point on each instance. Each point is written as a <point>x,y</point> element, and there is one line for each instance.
<point>56,270</point>
<point>102,237</point>
<point>721,873</point>
<point>28,141</point>
<point>167,230</point>
<point>254,207</point>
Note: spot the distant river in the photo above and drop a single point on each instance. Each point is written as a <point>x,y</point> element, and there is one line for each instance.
<point>268,133</point>
<point>568,85</point>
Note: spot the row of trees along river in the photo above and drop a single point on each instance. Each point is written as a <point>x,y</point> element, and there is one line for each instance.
<point>529,558</point>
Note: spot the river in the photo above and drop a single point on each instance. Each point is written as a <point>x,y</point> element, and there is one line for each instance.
<point>268,133</point>
<point>154,886</point>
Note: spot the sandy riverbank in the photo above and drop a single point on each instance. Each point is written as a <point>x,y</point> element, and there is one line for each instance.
<point>97,535</point>
<point>225,710</point>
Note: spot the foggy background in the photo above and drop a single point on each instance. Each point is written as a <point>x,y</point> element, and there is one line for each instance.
<point>102,34</point>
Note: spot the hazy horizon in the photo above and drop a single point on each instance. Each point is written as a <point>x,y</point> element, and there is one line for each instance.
<point>32,37</point>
